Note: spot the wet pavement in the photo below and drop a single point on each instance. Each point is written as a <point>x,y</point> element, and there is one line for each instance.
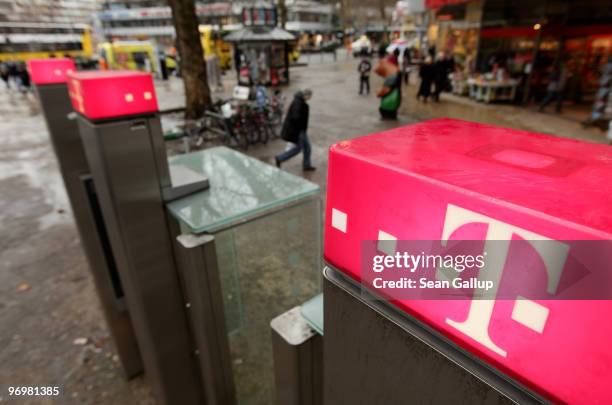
<point>52,329</point>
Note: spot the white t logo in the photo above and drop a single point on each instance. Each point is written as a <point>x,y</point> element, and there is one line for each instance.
<point>553,254</point>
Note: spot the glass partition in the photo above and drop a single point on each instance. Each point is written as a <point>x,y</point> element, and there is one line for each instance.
<point>266,267</point>
<point>266,225</point>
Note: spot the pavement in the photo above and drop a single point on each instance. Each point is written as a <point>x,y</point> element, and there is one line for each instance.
<point>52,329</point>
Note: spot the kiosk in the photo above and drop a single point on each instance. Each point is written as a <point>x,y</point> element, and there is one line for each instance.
<point>49,77</point>
<point>261,49</point>
<point>538,205</point>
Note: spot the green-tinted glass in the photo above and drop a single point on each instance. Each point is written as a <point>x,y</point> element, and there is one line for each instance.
<point>241,188</point>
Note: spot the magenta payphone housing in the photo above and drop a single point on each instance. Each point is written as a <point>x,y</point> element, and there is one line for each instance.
<point>50,71</point>
<point>448,179</point>
<point>110,94</point>
<point>50,78</point>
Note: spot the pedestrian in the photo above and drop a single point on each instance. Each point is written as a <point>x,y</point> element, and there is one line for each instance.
<point>440,76</point>
<point>394,57</point>
<point>261,96</point>
<point>295,130</point>
<point>24,78</point>
<point>556,85</point>
<point>382,49</point>
<point>602,106</point>
<point>406,62</point>
<point>163,66</point>
<point>426,73</point>
<point>390,94</point>
<point>13,74</point>
<point>4,74</point>
<point>364,69</point>
<point>213,72</point>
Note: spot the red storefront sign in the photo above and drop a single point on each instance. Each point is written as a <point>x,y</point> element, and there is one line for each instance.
<point>557,31</point>
<point>436,4</point>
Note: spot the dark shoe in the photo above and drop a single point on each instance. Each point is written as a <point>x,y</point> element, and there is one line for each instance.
<point>278,162</point>
<point>309,169</point>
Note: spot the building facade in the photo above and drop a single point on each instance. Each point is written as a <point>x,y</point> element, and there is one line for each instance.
<point>49,11</point>
<point>150,19</point>
<point>153,20</point>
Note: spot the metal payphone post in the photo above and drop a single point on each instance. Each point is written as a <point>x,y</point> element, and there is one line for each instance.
<point>121,133</point>
<point>49,78</point>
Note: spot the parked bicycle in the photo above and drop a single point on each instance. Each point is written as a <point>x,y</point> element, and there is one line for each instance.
<point>236,123</point>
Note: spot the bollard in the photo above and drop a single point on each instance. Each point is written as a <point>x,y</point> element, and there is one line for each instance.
<point>446,181</point>
<point>49,78</point>
<point>298,356</point>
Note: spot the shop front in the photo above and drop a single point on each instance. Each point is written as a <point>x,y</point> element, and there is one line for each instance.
<point>533,54</point>
<point>455,30</point>
<point>521,46</point>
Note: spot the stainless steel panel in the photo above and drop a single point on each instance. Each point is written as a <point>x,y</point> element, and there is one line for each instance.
<point>128,177</point>
<point>298,360</point>
<point>198,268</point>
<point>373,355</point>
<point>66,141</point>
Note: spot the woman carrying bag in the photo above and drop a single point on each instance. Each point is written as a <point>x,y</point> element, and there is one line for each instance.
<point>390,93</point>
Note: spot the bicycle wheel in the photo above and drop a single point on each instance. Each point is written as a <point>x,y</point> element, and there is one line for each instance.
<point>253,134</point>
<point>238,137</point>
<point>265,133</point>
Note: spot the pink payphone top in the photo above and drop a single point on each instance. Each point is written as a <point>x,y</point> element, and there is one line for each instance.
<point>445,180</point>
<point>108,94</point>
<point>50,71</point>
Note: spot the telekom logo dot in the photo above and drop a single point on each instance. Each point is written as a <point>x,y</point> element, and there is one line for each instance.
<point>526,312</point>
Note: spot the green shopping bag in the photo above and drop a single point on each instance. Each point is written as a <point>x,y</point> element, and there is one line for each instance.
<point>391,101</point>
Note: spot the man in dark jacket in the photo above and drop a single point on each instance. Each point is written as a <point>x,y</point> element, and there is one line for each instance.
<point>295,130</point>
<point>364,69</point>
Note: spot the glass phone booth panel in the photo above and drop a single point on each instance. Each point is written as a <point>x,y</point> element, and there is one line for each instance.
<point>267,266</point>
<point>267,230</point>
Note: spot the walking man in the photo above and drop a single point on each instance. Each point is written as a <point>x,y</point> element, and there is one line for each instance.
<point>364,69</point>
<point>556,86</point>
<point>295,130</point>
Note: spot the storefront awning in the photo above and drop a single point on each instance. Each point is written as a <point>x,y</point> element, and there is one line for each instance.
<point>259,34</point>
<point>436,4</point>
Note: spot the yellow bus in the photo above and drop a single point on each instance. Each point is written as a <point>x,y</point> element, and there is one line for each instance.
<point>24,41</point>
<point>141,55</point>
<point>129,55</point>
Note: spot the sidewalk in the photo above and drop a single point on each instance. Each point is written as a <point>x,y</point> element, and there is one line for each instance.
<point>505,115</point>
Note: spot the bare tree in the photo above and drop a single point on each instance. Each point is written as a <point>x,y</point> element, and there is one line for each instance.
<point>282,11</point>
<point>381,5</point>
<point>193,65</point>
<point>346,13</point>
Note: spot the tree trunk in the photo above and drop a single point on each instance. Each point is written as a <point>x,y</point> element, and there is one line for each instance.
<point>282,11</point>
<point>383,14</point>
<point>192,63</point>
<point>346,14</point>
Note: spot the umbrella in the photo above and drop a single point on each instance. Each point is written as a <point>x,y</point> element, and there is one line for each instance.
<point>400,44</point>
